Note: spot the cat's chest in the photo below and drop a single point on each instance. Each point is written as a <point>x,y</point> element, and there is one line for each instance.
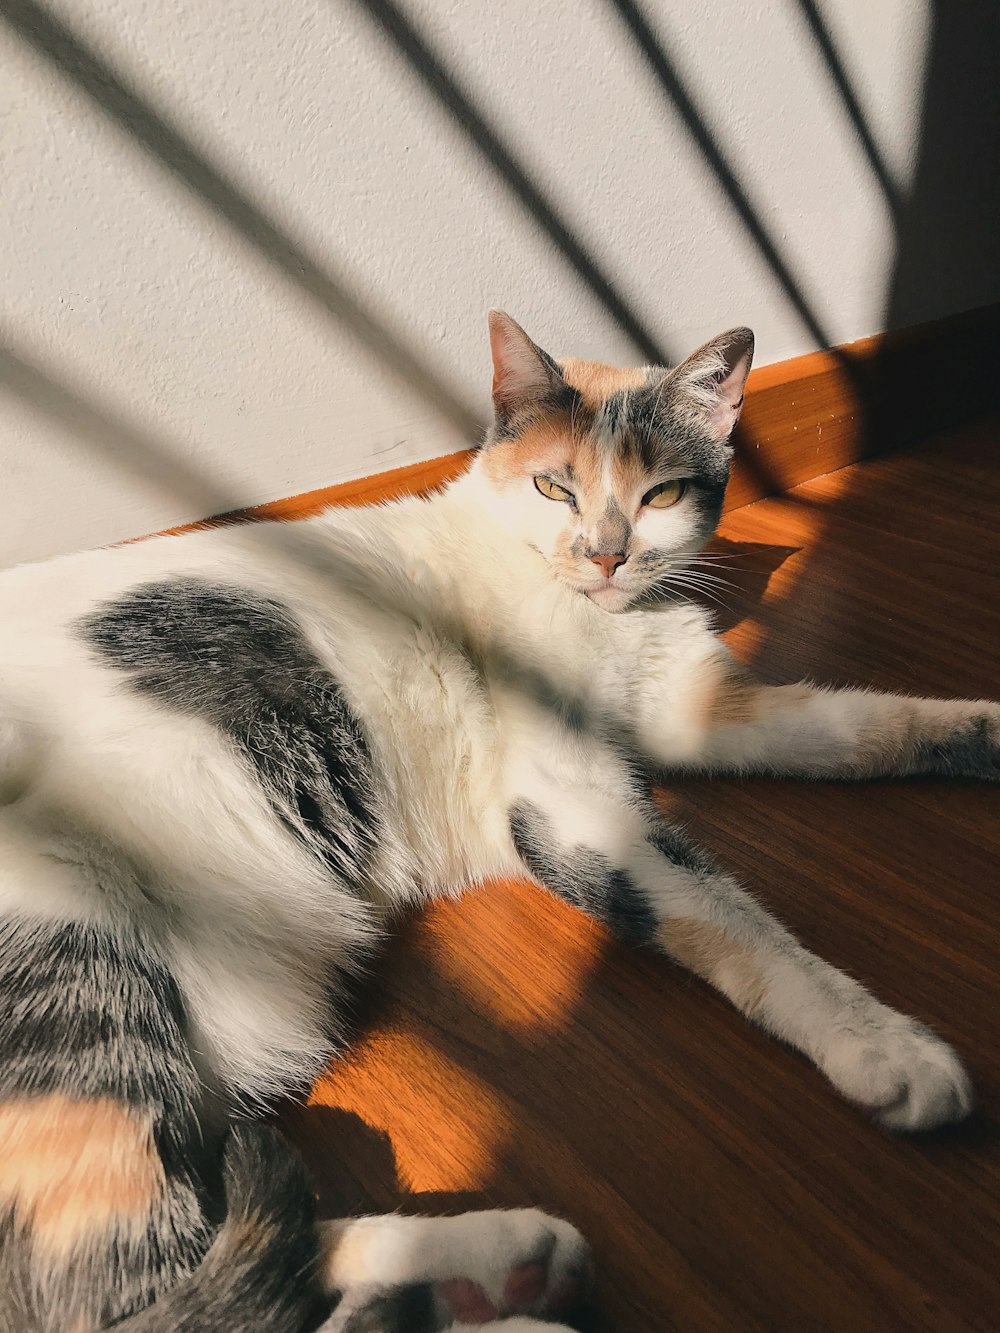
<point>436,734</point>
<point>436,693</point>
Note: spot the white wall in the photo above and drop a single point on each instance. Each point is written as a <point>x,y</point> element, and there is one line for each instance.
<point>125,289</point>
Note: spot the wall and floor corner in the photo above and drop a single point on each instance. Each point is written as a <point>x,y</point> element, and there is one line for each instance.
<point>247,252</point>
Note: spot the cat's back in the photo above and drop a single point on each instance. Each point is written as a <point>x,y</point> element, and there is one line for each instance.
<point>300,564</point>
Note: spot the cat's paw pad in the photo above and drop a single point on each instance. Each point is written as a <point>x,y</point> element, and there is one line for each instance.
<point>526,1263</point>
<point>898,1070</point>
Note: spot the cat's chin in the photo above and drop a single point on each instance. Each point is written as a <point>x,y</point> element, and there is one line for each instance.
<point>610,598</point>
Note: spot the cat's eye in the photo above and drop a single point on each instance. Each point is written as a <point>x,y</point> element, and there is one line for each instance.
<point>551,491</point>
<point>664,495</point>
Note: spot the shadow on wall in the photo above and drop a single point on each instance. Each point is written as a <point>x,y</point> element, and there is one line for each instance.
<point>333,292</point>
<point>131,446</point>
<point>947,231</point>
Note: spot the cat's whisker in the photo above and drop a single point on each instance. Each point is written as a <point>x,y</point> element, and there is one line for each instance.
<point>720,562</point>
<point>700,572</point>
<point>712,561</point>
<point>703,577</point>
<point>685,585</point>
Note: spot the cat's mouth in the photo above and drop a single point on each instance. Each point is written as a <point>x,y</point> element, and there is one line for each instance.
<point>610,596</point>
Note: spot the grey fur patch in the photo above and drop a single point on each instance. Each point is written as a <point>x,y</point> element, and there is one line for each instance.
<point>90,1014</point>
<point>659,427</point>
<point>659,430</point>
<point>109,1275</point>
<point>680,851</point>
<point>241,662</point>
<point>614,407</point>
<point>582,876</point>
<point>970,752</point>
<point>612,532</point>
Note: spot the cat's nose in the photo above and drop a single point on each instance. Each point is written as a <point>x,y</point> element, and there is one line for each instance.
<point>607,564</point>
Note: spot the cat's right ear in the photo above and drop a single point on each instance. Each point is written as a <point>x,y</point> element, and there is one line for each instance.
<point>524,376</point>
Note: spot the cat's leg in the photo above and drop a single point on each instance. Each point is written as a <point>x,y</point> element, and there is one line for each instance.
<point>811,731</point>
<point>585,829</point>
<point>478,1267</point>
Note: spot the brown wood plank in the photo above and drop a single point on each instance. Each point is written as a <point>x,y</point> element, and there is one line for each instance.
<point>511,1053</point>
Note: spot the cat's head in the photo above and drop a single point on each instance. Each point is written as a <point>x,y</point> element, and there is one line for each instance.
<point>614,476</point>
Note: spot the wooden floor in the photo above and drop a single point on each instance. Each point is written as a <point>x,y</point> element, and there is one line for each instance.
<point>514,1054</point>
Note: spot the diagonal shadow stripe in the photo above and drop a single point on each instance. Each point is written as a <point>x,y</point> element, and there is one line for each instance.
<point>134,448</point>
<point>838,74</point>
<point>458,102</point>
<point>50,37</point>
<point>684,105</point>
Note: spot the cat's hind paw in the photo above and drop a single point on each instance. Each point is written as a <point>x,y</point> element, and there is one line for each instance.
<point>526,1263</point>
<point>899,1071</point>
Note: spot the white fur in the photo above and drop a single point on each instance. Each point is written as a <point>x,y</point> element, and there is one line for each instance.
<point>368,1255</point>
<point>460,652</point>
<point>480,1247</point>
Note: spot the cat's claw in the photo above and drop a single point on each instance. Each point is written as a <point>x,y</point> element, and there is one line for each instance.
<point>527,1264</point>
<point>901,1072</point>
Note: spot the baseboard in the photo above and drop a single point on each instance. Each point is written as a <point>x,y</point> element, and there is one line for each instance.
<point>817,413</point>
<point>801,418</point>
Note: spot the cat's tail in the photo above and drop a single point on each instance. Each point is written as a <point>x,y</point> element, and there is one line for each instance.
<point>259,1273</point>
<point>108,1165</point>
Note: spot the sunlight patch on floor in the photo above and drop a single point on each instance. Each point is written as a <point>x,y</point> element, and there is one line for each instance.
<point>397,1078</point>
<point>525,980</point>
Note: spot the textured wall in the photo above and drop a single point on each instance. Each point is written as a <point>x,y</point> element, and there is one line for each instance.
<point>123,288</point>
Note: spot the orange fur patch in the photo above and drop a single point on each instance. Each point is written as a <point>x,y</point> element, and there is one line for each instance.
<point>544,444</point>
<point>73,1167</point>
<point>595,381</point>
<point>712,954</point>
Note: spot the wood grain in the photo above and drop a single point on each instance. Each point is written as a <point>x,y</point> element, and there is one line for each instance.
<point>511,1053</point>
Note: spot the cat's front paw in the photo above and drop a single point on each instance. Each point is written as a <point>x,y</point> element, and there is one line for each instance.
<point>899,1071</point>
<point>526,1263</point>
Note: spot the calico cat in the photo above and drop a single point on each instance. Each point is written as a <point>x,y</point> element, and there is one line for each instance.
<point>228,759</point>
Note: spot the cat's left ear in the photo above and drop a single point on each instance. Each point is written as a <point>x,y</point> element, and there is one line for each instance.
<point>523,375</point>
<point>713,380</point>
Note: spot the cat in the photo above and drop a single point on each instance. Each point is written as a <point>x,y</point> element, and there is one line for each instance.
<point>229,759</point>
